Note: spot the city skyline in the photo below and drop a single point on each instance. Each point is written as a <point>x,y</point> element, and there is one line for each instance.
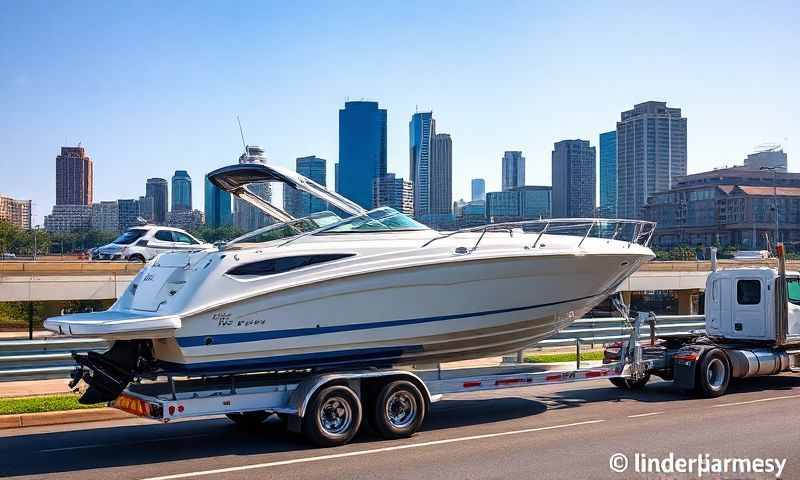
<point>170,91</point>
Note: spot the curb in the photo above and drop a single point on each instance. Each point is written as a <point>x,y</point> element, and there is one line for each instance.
<point>62,417</point>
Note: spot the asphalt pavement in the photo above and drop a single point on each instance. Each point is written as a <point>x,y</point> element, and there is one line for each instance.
<point>568,431</point>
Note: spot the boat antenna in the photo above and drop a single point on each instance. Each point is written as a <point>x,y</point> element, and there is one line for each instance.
<point>241,132</point>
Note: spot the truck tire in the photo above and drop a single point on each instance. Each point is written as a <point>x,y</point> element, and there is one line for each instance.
<point>333,416</point>
<point>713,374</point>
<point>248,419</point>
<point>398,410</point>
<point>628,384</point>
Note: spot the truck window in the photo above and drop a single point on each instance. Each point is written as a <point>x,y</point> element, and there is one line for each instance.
<point>793,289</point>
<point>748,292</point>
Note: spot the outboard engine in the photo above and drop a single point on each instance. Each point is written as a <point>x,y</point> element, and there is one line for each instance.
<point>108,373</point>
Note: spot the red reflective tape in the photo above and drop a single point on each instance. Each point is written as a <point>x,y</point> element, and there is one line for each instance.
<point>509,381</point>
<point>594,374</point>
<point>550,378</point>
<point>472,384</point>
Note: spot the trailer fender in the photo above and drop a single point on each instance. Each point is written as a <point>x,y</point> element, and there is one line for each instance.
<point>684,365</point>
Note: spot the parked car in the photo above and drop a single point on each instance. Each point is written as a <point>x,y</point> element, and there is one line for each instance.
<point>141,244</point>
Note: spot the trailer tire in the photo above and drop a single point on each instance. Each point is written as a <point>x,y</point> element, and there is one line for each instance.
<point>627,384</point>
<point>333,416</point>
<point>713,374</point>
<point>398,410</point>
<point>248,419</point>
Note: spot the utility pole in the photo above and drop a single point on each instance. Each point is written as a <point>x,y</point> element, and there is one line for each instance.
<point>774,171</point>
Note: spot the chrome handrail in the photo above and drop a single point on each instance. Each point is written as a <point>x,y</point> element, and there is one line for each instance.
<point>642,229</point>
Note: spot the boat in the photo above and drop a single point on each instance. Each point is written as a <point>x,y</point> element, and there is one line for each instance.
<point>349,289</point>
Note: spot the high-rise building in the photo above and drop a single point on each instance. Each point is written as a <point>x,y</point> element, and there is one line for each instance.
<point>573,176</point>
<point>105,216</point>
<point>128,213</point>
<point>608,174</point>
<point>513,170</point>
<point>478,189</point>
<point>181,191</point>
<point>246,216</point>
<point>770,156</point>
<point>651,152</point>
<point>68,218</point>
<point>362,150</point>
<point>217,205</point>
<point>16,212</point>
<point>301,204</point>
<point>74,178</point>
<point>441,175</point>
<point>157,190</point>
<point>146,208</point>
<point>529,202</point>
<point>186,219</point>
<point>336,177</point>
<point>391,191</point>
<point>421,132</point>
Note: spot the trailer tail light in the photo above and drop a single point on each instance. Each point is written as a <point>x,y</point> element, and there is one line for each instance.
<point>472,384</point>
<point>686,357</point>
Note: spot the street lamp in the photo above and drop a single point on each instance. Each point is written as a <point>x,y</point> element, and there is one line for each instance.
<point>774,171</point>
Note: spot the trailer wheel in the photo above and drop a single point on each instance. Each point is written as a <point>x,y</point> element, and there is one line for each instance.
<point>713,374</point>
<point>248,419</point>
<point>333,416</point>
<point>628,384</point>
<point>398,410</point>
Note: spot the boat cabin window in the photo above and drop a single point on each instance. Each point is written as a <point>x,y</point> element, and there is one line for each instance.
<point>379,220</point>
<point>748,292</point>
<point>280,265</point>
<point>289,229</point>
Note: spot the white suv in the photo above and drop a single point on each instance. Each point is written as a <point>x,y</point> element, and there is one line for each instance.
<point>140,244</point>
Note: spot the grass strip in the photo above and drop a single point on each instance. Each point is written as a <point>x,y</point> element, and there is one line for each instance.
<point>561,357</point>
<point>45,403</point>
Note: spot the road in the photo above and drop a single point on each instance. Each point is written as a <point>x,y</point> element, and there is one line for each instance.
<point>555,431</point>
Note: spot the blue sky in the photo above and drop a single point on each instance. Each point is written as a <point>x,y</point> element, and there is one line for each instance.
<point>151,87</point>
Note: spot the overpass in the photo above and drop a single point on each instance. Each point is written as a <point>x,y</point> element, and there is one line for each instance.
<point>90,280</point>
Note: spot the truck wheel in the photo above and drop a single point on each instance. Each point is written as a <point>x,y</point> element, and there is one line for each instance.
<point>398,410</point>
<point>628,384</point>
<point>713,374</point>
<point>333,416</point>
<point>248,419</point>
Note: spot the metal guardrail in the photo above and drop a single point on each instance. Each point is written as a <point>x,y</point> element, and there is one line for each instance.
<point>50,357</point>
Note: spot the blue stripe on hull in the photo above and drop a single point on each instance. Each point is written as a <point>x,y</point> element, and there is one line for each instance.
<point>372,357</point>
<point>200,340</point>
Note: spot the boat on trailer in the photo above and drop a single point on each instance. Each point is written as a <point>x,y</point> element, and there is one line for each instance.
<point>375,289</point>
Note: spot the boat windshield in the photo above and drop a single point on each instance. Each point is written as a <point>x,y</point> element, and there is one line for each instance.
<point>277,231</point>
<point>381,219</point>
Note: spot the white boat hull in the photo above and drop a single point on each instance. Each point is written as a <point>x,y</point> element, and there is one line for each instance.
<point>447,311</point>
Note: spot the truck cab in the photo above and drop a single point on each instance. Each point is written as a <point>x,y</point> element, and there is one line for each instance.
<point>740,304</point>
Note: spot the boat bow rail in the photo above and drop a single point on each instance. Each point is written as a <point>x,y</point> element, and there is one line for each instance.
<point>637,232</point>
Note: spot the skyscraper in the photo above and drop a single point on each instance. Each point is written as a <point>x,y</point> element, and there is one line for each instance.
<point>391,191</point>
<point>421,130</point>
<point>513,170</point>
<point>246,216</point>
<point>301,204</point>
<point>362,150</point>
<point>217,205</point>
<point>478,189</point>
<point>181,191</point>
<point>608,174</point>
<point>441,175</point>
<point>573,172</point>
<point>74,178</point>
<point>651,152</point>
<point>157,189</point>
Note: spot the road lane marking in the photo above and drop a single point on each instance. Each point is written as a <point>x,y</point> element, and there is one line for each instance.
<point>367,452</point>
<point>760,400</point>
<point>645,414</point>
<point>121,444</point>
